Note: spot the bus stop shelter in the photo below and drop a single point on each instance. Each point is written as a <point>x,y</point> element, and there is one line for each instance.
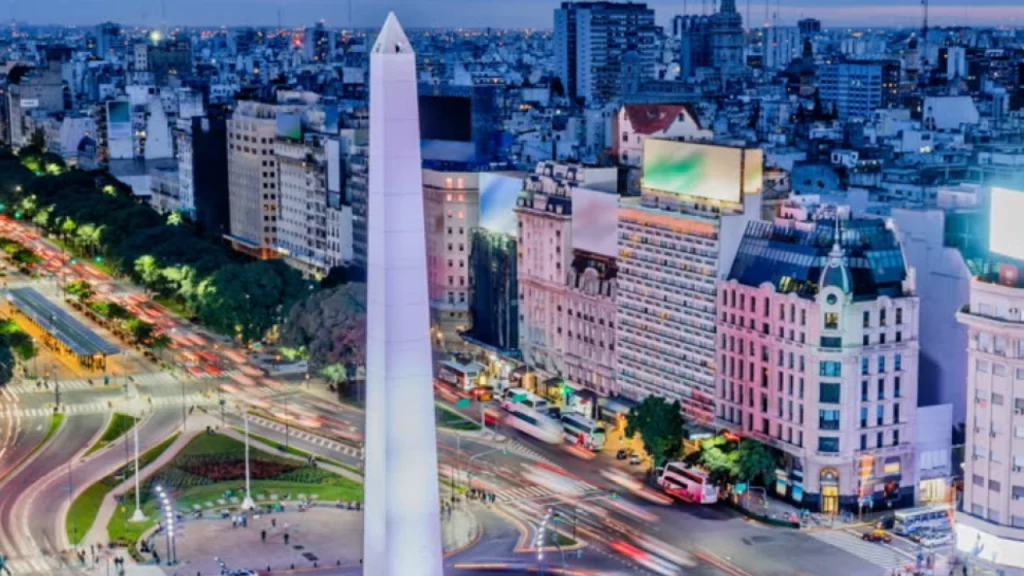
<point>62,333</point>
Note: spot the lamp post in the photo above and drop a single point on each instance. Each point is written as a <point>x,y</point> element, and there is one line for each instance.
<point>247,504</point>
<point>137,516</point>
<point>168,510</point>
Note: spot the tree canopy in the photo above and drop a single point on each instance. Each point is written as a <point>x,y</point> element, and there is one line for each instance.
<point>330,325</point>
<point>99,217</point>
<point>660,426</point>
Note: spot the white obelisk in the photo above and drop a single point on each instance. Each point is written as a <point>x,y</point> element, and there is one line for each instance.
<point>402,529</point>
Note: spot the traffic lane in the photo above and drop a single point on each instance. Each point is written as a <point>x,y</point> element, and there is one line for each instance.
<point>25,433</point>
<point>74,435</point>
<point>46,508</point>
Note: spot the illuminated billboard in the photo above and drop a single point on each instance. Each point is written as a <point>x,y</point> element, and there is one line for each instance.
<point>289,125</point>
<point>1005,235</point>
<point>498,194</point>
<point>595,219</point>
<point>753,170</point>
<point>701,170</point>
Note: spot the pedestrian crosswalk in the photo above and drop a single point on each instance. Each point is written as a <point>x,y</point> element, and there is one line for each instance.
<point>146,379</point>
<point>573,489</point>
<point>526,451</point>
<point>99,407</point>
<point>878,553</point>
<point>345,449</point>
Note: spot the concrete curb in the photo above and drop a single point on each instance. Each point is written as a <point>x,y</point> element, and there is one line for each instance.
<point>478,534</point>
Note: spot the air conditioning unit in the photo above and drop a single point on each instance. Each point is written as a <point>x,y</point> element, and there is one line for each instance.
<point>1019,411</point>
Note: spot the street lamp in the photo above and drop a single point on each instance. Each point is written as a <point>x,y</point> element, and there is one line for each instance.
<point>247,504</point>
<point>168,510</point>
<point>138,516</point>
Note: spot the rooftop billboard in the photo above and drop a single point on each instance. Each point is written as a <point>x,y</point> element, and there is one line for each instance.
<point>595,219</point>
<point>701,170</point>
<point>1005,235</point>
<point>498,194</point>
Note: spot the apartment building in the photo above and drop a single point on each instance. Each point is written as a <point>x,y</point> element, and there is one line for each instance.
<point>817,357</point>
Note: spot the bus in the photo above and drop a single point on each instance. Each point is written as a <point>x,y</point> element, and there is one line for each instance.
<point>936,516</point>
<point>578,429</point>
<point>514,396</point>
<point>686,483</point>
<point>534,423</point>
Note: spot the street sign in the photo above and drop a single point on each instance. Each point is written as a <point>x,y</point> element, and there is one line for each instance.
<point>462,403</point>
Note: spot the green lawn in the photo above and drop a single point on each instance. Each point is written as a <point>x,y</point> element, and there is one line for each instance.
<point>211,467</point>
<point>563,540</point>
<point>448,418</point>
<point>119,425</point>
<point>295,451</point>
<point>83,510</point>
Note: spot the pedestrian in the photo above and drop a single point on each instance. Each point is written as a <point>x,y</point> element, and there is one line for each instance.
<point>273,522</point>
<point>245,520</point>
<point>286,537</point>
<point>263,535</point>
<point>234,521</point>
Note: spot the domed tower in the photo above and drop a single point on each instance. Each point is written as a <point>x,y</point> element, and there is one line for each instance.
<point>835,288</point>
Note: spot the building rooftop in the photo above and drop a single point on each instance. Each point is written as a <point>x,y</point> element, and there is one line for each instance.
<point>793,258</point>
<point>72,333</point>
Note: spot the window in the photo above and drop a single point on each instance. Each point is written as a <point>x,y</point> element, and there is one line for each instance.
<point>832,342</point>
<point>978,480</point>
<point>803,317</point>
<point>828,393</point>
<point>863,390</point>
<point>830,368</point>
<point>881,364</point>
<point>863,441</point>
<point>881,388</point>
<point>897,362</point>
<point>997,399</point>
<point>899,336</point>
<point>999,345</point>
<point>831,320</point>
<point>864,366</point>
<point>879,415</point>
<point>867,318</point>
<point>899,316</point>
<point>896,437</point>
<point>881,317</point>
<point>982,365</point>
<point>879,438</point>
<point>896,387</point>
<point>828,444</point>
<point>896,413</point>
<point>999,369</point>
<point>863,416</point>
<point>995,486</point>
<point>866,340</point>
<point>828,419</point>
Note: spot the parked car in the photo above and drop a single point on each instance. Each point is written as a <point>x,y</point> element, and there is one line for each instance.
<point>622,454</point>
<point>877,535</point>
<point>634,459</point>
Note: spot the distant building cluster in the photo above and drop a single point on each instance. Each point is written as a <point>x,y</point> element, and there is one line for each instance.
<point>806,235</point>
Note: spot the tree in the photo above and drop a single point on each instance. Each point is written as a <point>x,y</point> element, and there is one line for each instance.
<point>660,426</point>
<point>147,270</point>
<point>141,330</point>
<point>37,139</point>
<point>716,456</point>
<point>80,289</point>
<point>755,462</point>
<point>330,325</point>
<point>334,373</point>
<point>175,219</point>
<point>160,343</point>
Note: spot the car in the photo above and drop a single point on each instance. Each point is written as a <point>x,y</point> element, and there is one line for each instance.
<point>622,454</point>
<point>634,459</point>
<point>877,536</point>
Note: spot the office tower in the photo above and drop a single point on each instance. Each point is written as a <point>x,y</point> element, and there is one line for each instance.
<point>856,88</point>
<point>401,524</point>
<point>675,242</point>
<point>253,174</point>
<point>782,45</point>
<point>990,523</point>
<point>108,40</point>
<point>590,40</point>
<point>727,40</point>
<point>459,126</point>
<point>546,256</point>
<point>357,185</point>
<point>205,145</point>
<point>318,44</point>
<point>169,57</point>
<point>809,27</point>
<point>694,43</point>
<point>817,357</point>
<point>40,90</point>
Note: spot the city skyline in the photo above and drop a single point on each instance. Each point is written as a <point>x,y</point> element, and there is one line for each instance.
<point>522,14</point>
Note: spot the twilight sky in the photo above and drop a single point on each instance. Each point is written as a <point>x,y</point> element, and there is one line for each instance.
<point>481,13</point>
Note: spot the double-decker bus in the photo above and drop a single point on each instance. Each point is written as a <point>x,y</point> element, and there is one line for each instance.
<point>534,423</point>
<point>578,429</point>
<point>686,483</point>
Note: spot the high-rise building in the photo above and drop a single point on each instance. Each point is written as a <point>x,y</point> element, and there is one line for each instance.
<point>817,356</point>
<point>401,524</point>
<point>39,91</point>
<point>990,522</point>
<point>590,40</point>
<point>781,45</point>
<point>108,40</point>
<point>451,205</point>
<point>253,174</point>
<point>809,27</point>
<point>694,32</point>
<point>727,40</point>
<point>674,243</point>
<point>318,44</point>
<point>856,88</point>
<point>206,146</point>
<point>546,256</point>
<point>169,57</point>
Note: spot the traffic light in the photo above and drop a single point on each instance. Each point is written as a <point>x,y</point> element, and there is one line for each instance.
<point>98,259</point>
<point>17,214</point>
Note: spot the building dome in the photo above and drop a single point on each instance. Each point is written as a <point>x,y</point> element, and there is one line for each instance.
<point>836,273</point>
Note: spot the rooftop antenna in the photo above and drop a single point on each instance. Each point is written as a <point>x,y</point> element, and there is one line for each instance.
<point>279,18</point>
<point>748,15</point>
<point>767,11</point>
<point>924,33</point>
<point>778,10</point>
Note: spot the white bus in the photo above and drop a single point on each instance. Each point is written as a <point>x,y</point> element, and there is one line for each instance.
<point>910,520</point>
<point>522,396</point>
<point>578,429</point>
<point>689,484</point>
<point>533,423</point>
